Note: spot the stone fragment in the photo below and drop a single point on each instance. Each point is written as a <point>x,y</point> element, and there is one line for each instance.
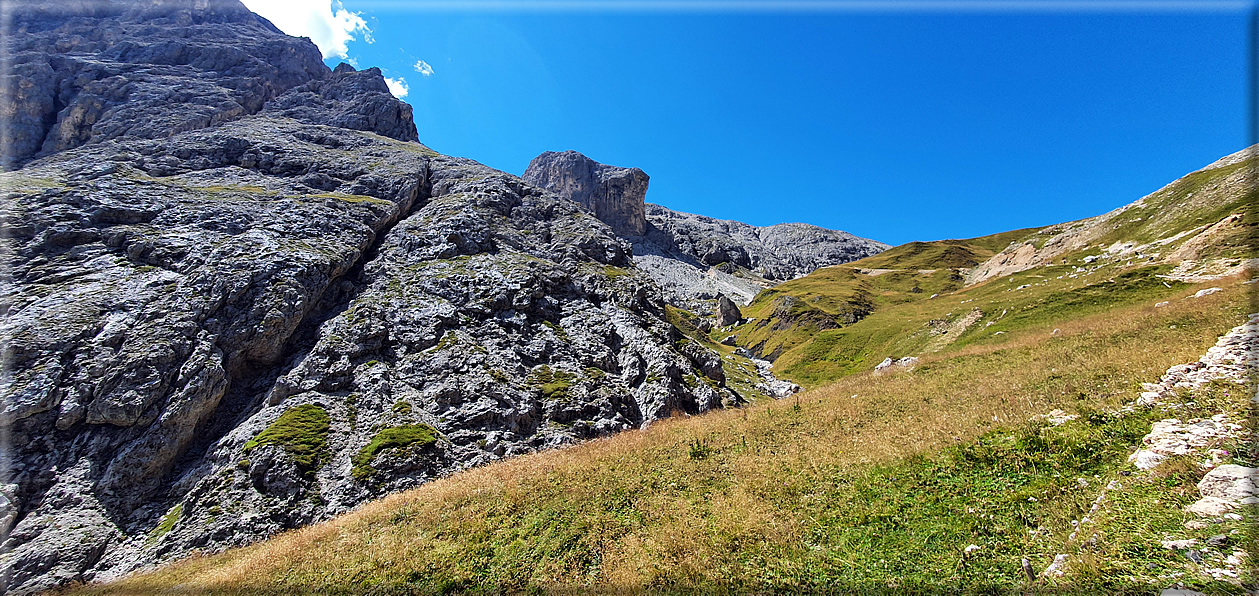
<point>1058,567</point>
<point>1230,482</point>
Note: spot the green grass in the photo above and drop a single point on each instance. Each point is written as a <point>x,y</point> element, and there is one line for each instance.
<point>167,524</point>
<point>1183,206</point>
<point>394,437</point>
<point>302,432</point>
<point>614,272</point>
<point>814,344</point>
<point>943,254</point>
<point>845,319</point>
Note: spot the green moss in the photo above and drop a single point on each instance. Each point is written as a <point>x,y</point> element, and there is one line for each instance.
<point>554,384</point>
<point>448,340</point>
<point>168,522</point>
<point>402,407</point>
<point>391,438</point>
<point>302,432</point>
<point>615,272</point>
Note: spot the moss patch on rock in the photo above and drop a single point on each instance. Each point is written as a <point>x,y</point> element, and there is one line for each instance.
<point>554,384</point>
<point>302,432</point>
<point>389,438</point>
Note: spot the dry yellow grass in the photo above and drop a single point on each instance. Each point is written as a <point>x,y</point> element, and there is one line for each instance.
<point>645,509</point>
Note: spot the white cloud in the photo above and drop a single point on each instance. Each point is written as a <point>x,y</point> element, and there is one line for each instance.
<point>423,68</point>
<point>325,22</point>
<point>398,87</point>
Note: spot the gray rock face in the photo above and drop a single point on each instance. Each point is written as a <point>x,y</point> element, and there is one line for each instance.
<point>90,71</point>
<point>776,253</point>
<point>614,194</point>
<point>692,257</point>
<point>176,300</point>
<point>696,258</point>
<point>349,99</point>
<point>727,312</point>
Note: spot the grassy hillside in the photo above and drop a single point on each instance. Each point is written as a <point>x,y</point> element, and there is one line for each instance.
<point>875,482</point>
<point>943,254</point>
<point>916,298</point>
<point>872,480</point>
<point>840,320</point>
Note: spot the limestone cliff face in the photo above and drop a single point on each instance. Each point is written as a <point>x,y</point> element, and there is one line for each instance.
<point>615,195</point>
<point>692,257</point>
<point>88,71</point>
<point>215,245</point>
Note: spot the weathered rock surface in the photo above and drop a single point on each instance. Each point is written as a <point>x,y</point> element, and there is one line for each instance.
<point>90,71</point>
<point>614,194</point>
<point>692,257</point>
<point>727,312</point>
<point>259,319</point>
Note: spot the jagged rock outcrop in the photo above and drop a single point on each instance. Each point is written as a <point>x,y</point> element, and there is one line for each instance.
<point>85,72</point>
<point>349,99</point>
<point>216,332</point>
<point>615,195</point>
<point>694,258</point>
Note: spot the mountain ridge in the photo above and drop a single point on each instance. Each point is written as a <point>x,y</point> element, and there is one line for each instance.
<point>254,312</point>
<point>694,258</point>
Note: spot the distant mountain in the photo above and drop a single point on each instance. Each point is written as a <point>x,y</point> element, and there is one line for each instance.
<point>692,257</point>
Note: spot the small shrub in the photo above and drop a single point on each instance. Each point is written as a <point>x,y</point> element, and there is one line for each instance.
<point>699,449</point>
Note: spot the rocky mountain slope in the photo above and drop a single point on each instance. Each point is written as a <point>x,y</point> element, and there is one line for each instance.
<point>241,297</point>
<point>694,258</point>
<point>1013,465</point>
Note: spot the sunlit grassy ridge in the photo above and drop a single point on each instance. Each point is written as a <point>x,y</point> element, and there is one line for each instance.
<point>805,322</point>
<point>875,481</point>
<point>914,298</point>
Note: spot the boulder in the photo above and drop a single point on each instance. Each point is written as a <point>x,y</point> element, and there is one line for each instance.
<point>1230,482</point>
<point>727,312</point>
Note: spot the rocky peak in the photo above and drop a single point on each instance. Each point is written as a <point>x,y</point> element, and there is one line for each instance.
<point>616,195</point>
<point>83,72</point>
<point>349,98</point>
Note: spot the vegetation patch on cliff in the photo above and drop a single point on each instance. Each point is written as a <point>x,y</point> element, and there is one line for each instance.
<point>301,431</point>
<point>418,435</point>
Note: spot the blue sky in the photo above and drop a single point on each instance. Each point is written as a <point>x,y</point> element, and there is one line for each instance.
<point>893,124</point>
